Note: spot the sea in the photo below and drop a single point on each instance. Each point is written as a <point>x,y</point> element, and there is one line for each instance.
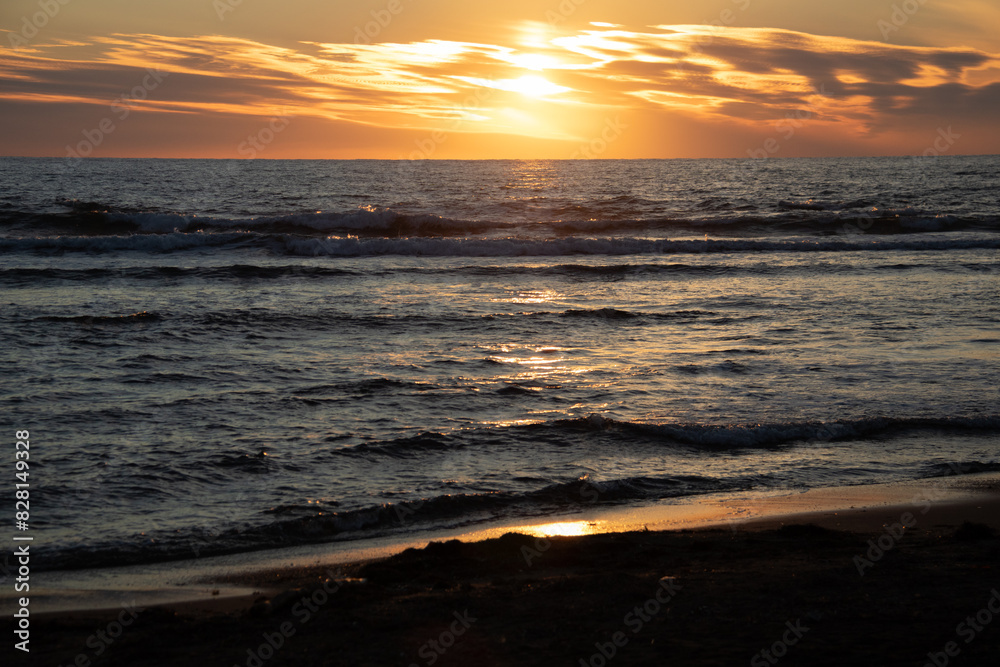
<point>227,356</point>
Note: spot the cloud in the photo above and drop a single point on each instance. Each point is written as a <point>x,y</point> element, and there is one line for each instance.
<point>760,74</point>
<point>748,77</point>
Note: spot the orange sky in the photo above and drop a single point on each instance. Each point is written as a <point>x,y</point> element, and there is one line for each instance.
<point>447,79</point>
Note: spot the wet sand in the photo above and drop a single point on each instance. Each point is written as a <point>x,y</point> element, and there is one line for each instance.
<point>900,579</point>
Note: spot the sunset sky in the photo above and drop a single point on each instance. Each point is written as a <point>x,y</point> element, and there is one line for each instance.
<point>515,79</point>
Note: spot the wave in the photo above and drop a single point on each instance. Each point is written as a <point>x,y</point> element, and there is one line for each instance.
<point>312,523</point>
<point>601,313</point>
<point>369,386</point>
<point>323,318</point>
<point>617,216</point>
<point>704,437</point>
<point>755,436</point>
<point>241,273</point>
<point>231,272</point>
<point>100,220</point>
<point>306,524</point>
<point>961,468</point>
<point>290,245</point>
<point>400,447</point>
<point>113,320</point>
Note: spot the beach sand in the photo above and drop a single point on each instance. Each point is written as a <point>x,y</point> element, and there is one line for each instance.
<point>875,575</point>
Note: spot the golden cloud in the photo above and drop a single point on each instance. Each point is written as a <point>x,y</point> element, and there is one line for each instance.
<point>738,75</point>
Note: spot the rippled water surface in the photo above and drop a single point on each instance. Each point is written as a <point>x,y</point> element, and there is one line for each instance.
<point>220,356</point>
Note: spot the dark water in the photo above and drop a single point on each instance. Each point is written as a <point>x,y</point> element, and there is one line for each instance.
<point>219,356</point>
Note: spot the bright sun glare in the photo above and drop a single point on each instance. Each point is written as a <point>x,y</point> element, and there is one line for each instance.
<point>531,85</point>
<point>534,61</point>
<point>565,528</point>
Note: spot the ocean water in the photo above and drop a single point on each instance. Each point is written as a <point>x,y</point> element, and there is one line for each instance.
<point>225,356</point>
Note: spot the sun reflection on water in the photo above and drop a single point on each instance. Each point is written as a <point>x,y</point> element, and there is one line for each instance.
<point>535,296</point>
<point>563,529</point>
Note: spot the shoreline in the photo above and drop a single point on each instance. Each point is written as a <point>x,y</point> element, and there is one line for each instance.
<point>729,593</point>
<point>234,582</point>
<point>888,581</point>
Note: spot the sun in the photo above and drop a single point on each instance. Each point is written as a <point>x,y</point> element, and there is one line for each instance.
<point>531,85</point>
<point>534,61</point>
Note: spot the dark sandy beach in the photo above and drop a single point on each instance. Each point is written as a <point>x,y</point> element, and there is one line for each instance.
<point>838,588</point>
